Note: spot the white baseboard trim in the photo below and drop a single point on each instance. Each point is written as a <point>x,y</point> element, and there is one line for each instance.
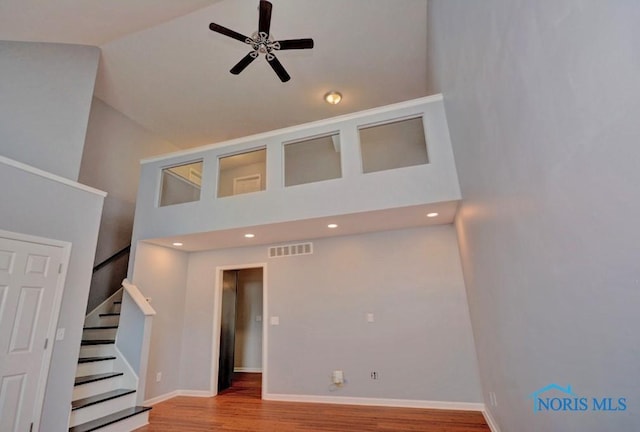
<point>170,395</point>
<point>161,398</point>
<point>493,425</point>
<point>195,393</point>
<point>346,400</point>
<point>398,403</point>
<point>247,370</point>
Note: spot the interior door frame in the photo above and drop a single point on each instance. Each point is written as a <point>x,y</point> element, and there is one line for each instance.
<point>217,322</point>
<point>55,312</point>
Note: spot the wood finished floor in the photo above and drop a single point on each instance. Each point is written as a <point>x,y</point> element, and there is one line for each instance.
<point>240,409</point>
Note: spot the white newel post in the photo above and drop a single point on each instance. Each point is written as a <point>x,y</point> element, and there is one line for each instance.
<point>134,334</point>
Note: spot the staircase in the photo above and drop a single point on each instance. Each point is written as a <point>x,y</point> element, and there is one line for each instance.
<point>104,395</point>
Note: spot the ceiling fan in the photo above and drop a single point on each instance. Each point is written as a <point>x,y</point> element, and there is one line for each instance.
<point>261,41</point>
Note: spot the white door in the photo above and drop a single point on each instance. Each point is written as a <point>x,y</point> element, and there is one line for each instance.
<point>247,184</point>
<point>31,281</point>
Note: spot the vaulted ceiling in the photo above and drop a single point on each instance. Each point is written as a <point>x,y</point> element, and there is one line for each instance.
<point>162,67</point>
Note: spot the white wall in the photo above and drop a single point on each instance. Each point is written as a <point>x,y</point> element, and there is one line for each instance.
<point>420,343</point>
<point>111,162</point>
<point>161,274</point>
<point>543,101</point>
<point>45,96</point>
<point>38,206</point>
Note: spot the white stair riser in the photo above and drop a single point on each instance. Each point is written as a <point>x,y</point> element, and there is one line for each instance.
<point>97,350</point>
<point>127,425</point>
<point>109,320</point>
<point>96,387</point>
<point>99,334</point>
<point>93,319</point>
<point>93,368</point>
<point>93,412</point>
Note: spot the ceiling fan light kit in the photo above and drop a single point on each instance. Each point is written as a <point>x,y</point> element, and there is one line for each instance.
<point>262,42</point>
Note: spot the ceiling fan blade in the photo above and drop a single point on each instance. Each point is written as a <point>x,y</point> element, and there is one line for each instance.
<point>296,44</point>
<point>264,24</point>
<point>242,64</point>
<point>278,68</point>
<point>228,32</point>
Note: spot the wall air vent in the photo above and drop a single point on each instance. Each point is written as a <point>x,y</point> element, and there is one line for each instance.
<point>291,250</point>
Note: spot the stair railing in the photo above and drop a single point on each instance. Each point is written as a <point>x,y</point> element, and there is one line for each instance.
<point>134,333</point>
<point>107,276</point>
<point>125,250</point>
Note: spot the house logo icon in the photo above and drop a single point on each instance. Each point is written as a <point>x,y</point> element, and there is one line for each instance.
<point>554,398</point>
<point>538,401</point>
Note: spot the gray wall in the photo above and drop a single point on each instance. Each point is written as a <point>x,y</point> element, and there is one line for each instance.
<point>542,100</point>
<point>227,176</point>
<point>311,161</point>
<point>177,190</point>
<point>48,209</point>
<point>110,162</point>
<point>248,347</point>
<point>163,280</point>
<point>393,145</point>
<point>420,342</point>
<point>45,95</point>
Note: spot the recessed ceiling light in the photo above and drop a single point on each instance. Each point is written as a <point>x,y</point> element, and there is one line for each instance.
<point>249,235</point>
<point>333,97</point>
<point>432,214</point>
<point>177,244</point>
<point>332,226</point>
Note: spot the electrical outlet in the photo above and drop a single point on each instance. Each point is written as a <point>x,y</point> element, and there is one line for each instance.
<point>493,401</point>
<point>375,375</point>
<point>159,377</point>
<point>337,377</point>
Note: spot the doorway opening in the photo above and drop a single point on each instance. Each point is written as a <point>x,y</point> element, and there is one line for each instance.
<point>240,332</point>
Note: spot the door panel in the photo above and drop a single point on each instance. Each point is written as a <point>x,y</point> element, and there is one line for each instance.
<point>3,295</point>
<point>29,274</point>
<point>24,326</point>
<point>227,329</point>
<point>11,389</point>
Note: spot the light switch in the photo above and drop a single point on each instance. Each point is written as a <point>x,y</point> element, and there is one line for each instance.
<point>60,334</point>
<point>370,317</point>
<point>275,320</point>
<point>259,318</point>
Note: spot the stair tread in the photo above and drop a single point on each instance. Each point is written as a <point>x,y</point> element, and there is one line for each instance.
<point>111,327</point>
<point>110,419</point>
<point>96,377</point>
<point>109,314</point>
<point>95,359</point>
<point>102,397</point>
<point>86,342</point>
